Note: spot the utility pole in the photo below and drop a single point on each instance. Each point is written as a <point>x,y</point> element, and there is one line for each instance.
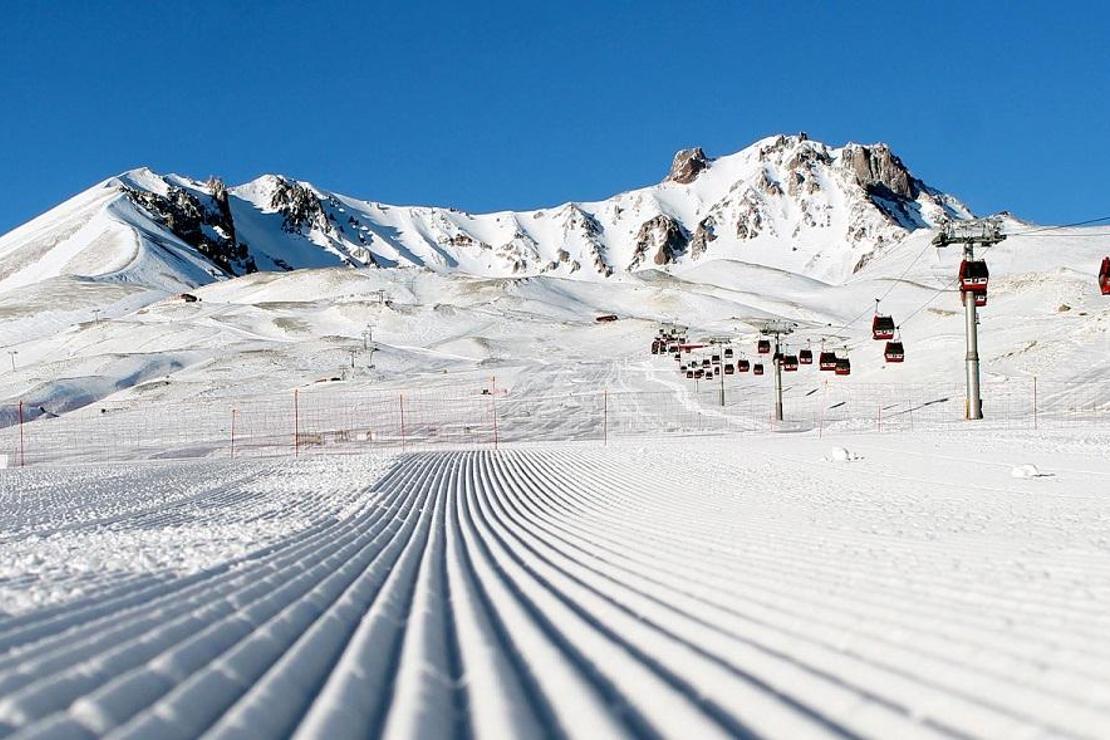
<point>984,233</point>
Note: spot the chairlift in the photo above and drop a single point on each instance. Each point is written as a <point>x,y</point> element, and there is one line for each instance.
<point>1104,276</point>
<point>757,369</point>
<point>763,346</point>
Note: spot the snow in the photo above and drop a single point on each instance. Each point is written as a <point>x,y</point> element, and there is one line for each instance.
<point>647,587</point>
<point>635,559</point>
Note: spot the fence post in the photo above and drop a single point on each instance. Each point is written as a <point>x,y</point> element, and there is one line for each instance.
<point>401,402</point>
<point>296,425</point>
<point>879,417</point>
<point>493,408</point>
<point>233,434</point>
<point>21,450</point>
<point>1034,402</point>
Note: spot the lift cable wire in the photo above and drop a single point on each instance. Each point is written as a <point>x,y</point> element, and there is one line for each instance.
<point>889,289</point>
<point>1061,226</point>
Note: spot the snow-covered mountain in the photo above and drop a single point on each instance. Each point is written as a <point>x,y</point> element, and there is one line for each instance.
<point>786,202</point>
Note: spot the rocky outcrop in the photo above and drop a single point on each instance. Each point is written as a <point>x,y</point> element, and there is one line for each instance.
<point>299,207</point>
<point>664,237</point>
<point>703,234</point>
<point>878,170</point>
<point>208,227</point>
<point>750,218</point>
<point>687,165</point>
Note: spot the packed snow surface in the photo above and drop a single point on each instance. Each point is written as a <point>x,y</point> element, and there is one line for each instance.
<point>686,588</point>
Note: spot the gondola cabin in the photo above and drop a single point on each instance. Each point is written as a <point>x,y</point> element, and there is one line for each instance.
<point>974,276</point>
<point>728,353</point>
<point>980,299</point>
<point>827,361</point>
<point>716,359</point>
<point>894,352</point>
<point>729,369</point>
<point>1104,276</point>
<point>790,363</point>
<point>763,346</point>
<point>805,357</point>
<point>690,374</point>
<point>882,327</point>
<point>757,369</point>
<point>843,366</point>
<point>699,374</point>
<point>743,366</point>
<point>705,363</point>
<point>655,348</point>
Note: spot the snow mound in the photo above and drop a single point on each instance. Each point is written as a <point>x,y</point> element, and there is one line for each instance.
<point>1026,471</point>
<point>841,455</point>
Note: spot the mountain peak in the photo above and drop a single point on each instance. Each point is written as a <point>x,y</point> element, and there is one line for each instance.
<point>785,201</point>
<point>687,165</point>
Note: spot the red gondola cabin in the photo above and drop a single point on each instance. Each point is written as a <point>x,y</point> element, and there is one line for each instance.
<point>974,276</point>
<point>894,352</point>
<point>743,366</point>
<point>827,361</point>
<point>805,357</point>
<point>843,366</point>
<point>1104,276</point>
<point>882,327</point>
<point>763,346</point>
<point>757,369</point>
<point>790,363</point>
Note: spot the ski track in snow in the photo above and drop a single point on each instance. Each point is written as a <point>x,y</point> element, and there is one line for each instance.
<point>558,591</point>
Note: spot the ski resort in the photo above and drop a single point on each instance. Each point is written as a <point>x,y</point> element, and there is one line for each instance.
<point>786,443</point>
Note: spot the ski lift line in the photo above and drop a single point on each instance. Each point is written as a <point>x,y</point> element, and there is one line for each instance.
<point>927,303</point>
<point>1040,230</point>
<point>1061,226</point>
<point>889,289</point>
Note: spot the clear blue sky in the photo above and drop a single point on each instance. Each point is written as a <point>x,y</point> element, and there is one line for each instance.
<point>491,105</point>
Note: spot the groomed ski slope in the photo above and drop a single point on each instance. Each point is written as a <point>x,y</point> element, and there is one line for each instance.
<point>691,588</point>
